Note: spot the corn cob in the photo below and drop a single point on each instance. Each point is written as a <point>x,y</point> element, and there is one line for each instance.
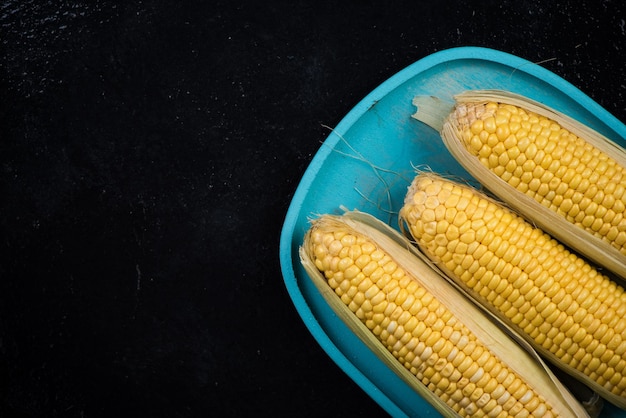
<point>562,175</point>
<point>566,309</point>
<point>465,365</point>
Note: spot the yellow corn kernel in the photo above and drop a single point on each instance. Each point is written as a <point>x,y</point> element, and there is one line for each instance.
<point>559,302</point>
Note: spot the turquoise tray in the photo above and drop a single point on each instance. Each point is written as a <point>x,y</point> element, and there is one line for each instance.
<point>367,162</point>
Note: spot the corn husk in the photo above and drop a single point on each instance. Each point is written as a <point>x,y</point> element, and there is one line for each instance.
<point>500,338</point>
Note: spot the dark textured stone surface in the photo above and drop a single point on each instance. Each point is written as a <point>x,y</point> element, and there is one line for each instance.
<point>149,151</point>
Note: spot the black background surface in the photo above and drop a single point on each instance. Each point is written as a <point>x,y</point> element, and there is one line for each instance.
<point>148,154</point>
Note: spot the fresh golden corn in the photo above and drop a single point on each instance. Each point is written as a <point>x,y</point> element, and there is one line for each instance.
<point>418,316</point>
<point>540,158</point>
<point>569,174</point>
<point>560,303</point>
